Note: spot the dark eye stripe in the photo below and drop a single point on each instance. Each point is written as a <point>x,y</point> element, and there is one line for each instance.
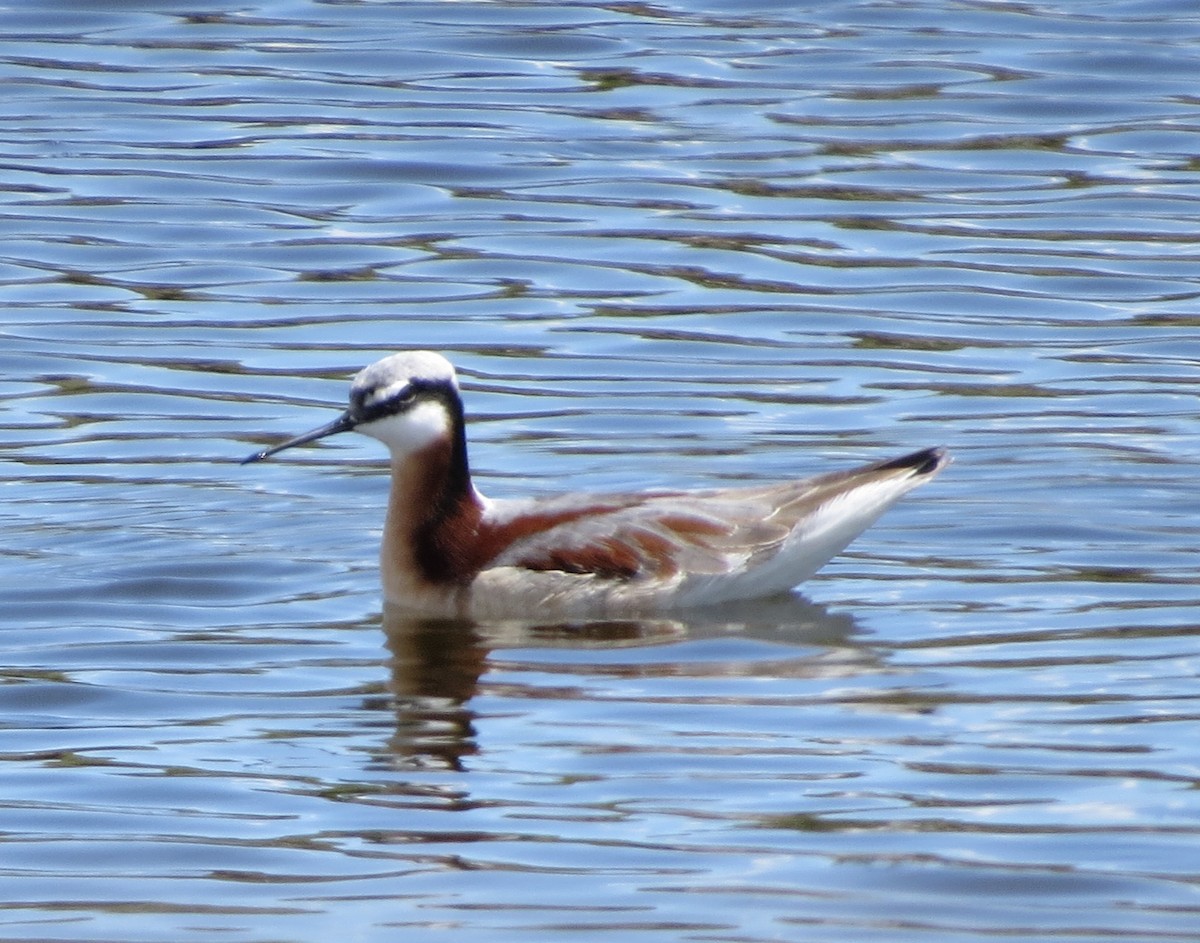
<point>366,409</point>
<point>401,401</point>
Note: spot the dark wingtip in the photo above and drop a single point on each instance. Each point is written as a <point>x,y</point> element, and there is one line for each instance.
<point>256,457</point>
<point>924,462</point>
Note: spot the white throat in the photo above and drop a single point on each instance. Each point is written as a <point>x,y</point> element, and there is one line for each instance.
<point>410,431</point>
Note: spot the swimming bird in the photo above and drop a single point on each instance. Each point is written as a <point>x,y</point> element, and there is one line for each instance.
<point>450,552</point>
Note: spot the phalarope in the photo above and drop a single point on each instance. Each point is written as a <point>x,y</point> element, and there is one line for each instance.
<point>449,551</point>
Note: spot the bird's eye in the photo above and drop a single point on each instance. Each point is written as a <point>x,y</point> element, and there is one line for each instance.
<point>373,403</point>
<point>401,398</point>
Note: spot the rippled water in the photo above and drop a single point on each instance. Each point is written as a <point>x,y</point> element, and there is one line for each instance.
<point>666,244</point>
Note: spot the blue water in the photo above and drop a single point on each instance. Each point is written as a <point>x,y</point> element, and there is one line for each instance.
<point>666,245</point>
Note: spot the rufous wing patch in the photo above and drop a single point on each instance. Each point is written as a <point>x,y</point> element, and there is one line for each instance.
<point>607,558</point>
<point>617,546</point>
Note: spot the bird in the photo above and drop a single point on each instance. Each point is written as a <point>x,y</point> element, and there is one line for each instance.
<point>449,552</point>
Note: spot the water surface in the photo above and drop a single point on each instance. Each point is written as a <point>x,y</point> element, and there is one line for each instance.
<point>666,245</point>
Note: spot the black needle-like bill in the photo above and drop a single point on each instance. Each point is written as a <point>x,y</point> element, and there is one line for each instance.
<point>344,423</point>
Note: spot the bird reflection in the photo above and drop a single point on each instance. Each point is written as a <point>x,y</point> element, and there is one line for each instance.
<point>435,669</point>
<point>437,664</point>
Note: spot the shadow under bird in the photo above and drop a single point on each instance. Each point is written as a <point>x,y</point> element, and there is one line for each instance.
<point>449,551</point>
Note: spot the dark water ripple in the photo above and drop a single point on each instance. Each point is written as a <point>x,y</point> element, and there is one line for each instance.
<point>689,243</point>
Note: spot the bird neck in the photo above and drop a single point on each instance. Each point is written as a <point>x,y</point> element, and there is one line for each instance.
<point>433,516</point>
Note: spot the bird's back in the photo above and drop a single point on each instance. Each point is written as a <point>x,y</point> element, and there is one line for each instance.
<point>659,550</point>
